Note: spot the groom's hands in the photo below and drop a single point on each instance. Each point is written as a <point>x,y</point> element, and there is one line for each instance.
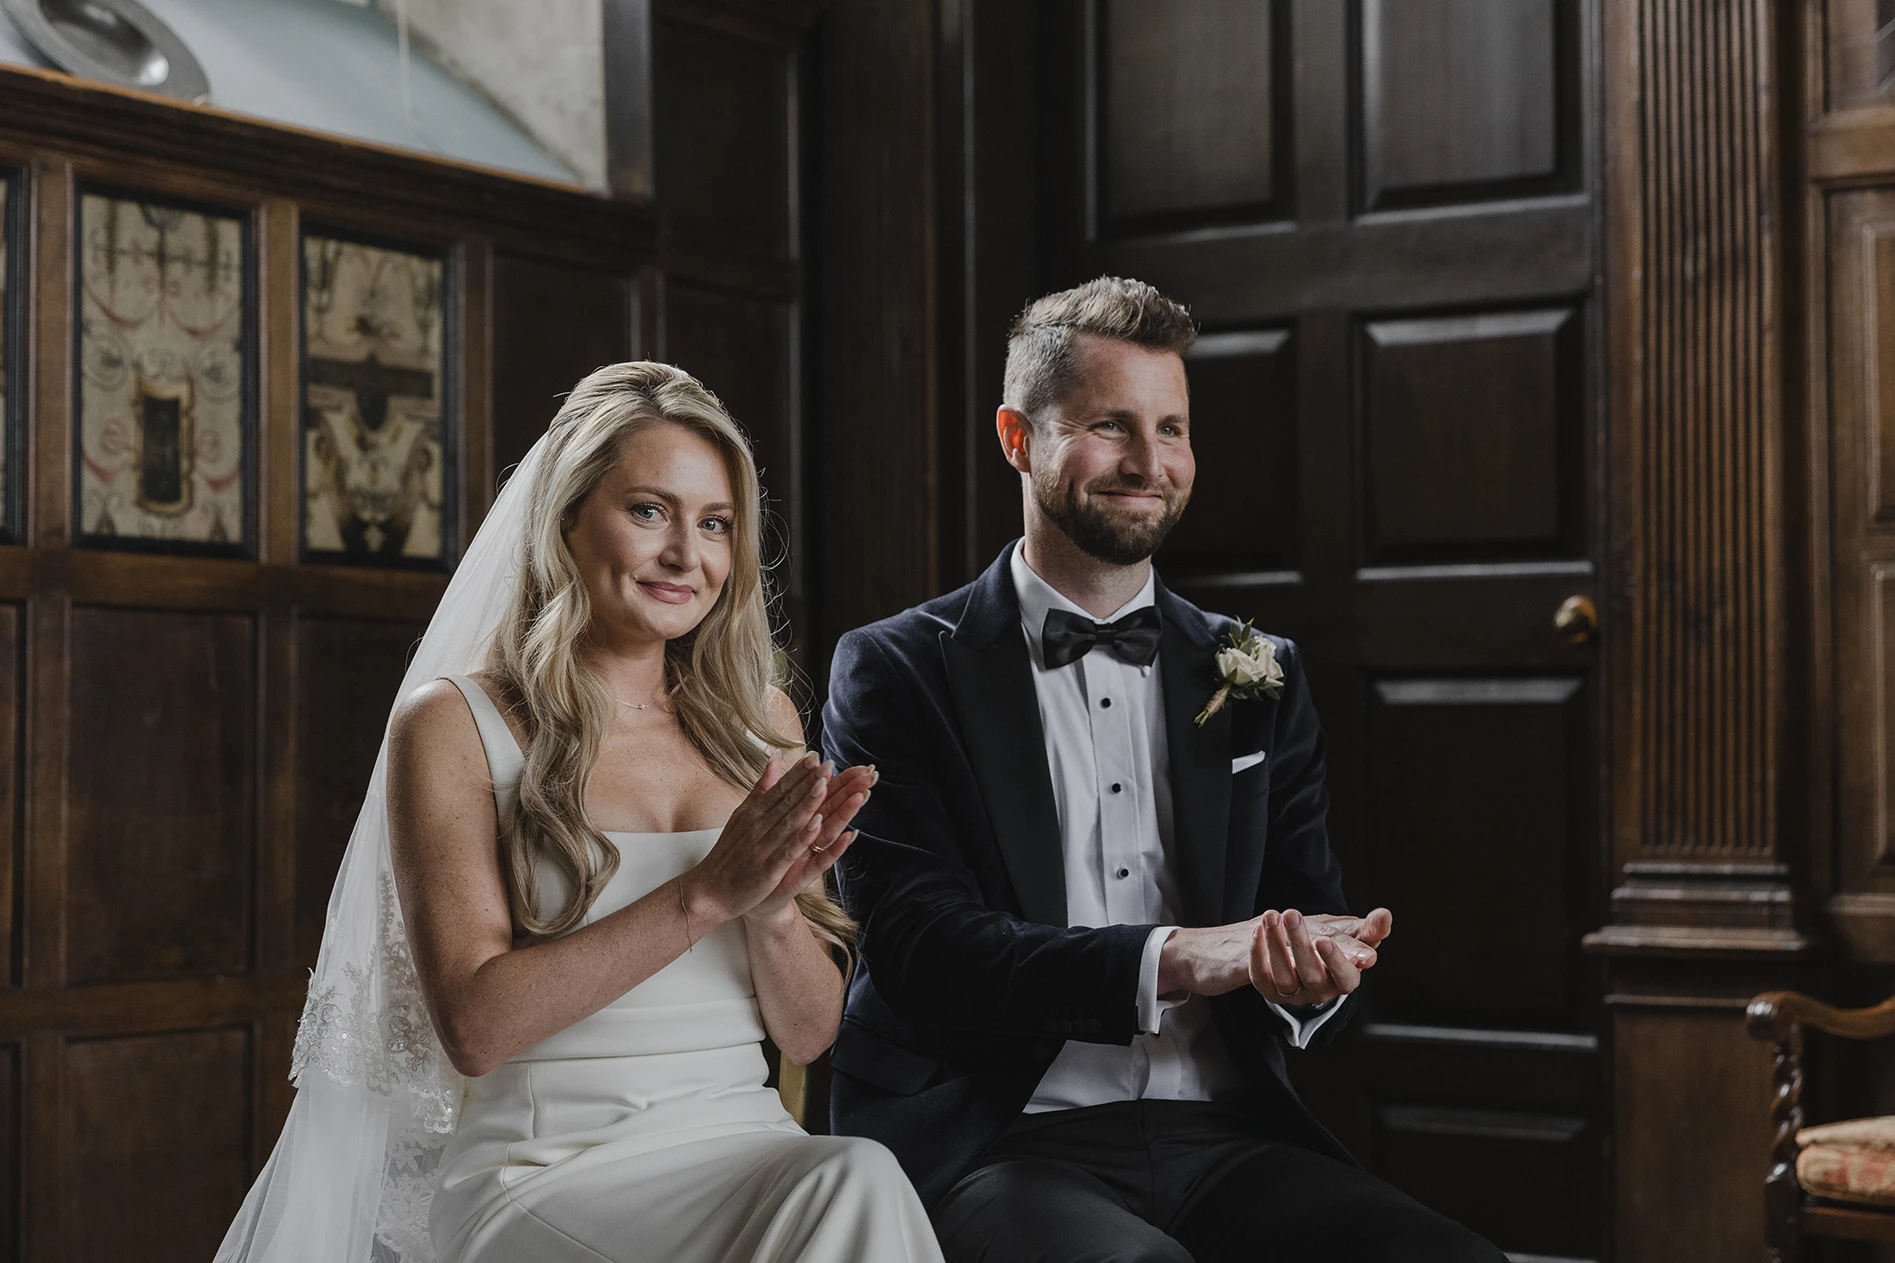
<point>1288,957</point>
<point>1311,960</point>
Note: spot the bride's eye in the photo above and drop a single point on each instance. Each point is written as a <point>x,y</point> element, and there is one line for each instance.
<point>647,512</point>
<point>717,525</point>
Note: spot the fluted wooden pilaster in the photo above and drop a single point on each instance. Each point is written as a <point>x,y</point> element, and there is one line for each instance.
<point>1696,629</point>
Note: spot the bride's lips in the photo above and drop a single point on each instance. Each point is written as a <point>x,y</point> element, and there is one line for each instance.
<point>670,593</point>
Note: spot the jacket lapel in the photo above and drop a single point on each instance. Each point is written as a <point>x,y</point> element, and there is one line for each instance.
<point>991,679</point>
<point>1200,759</point>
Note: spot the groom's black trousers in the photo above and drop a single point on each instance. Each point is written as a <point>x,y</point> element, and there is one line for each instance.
<point>1180,1182</point>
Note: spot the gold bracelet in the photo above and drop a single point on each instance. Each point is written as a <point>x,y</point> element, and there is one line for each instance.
<point>690,945</point>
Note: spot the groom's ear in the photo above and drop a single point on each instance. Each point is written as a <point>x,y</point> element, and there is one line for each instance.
<point>1016,438</point>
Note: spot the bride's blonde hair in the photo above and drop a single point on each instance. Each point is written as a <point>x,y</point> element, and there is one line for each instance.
<point>717,677</point>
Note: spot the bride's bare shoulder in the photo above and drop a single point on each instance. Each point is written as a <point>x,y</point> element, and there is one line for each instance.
<point>434,717</point>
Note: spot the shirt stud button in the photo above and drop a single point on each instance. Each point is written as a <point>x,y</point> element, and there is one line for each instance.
<point>1125,872</point>
<point>1116,787</point>
<point>1105,703</point>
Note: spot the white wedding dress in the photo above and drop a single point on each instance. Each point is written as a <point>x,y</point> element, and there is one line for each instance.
<point>645,1132</point>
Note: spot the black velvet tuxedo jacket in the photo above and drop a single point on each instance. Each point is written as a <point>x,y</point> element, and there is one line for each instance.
<point>970,980</point>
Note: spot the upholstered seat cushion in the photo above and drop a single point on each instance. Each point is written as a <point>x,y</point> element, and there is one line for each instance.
<point>1851,1161</point>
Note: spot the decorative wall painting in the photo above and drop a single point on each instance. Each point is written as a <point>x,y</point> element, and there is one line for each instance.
<point>166,400</point>
<point>378,441</point>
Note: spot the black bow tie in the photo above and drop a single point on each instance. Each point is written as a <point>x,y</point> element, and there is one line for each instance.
<point>1068,637</point>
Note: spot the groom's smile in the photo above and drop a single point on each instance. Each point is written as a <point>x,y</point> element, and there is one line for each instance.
<point>1110,461</point>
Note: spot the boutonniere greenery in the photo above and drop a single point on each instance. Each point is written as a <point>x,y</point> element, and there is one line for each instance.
<point>1246,668</point>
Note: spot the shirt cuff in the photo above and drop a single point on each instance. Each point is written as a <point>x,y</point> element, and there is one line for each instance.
<point>1304,1029</point>
<point>1151,1008</point>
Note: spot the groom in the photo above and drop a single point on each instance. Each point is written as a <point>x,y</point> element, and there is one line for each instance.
<point>1090,923</point>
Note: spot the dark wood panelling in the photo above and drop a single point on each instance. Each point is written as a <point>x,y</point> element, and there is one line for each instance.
<point>1861,371</point>
<point>1877,826</point>
<point>1464,98</point>
<point>1712,800</point>
<point>740,346</point>
<point>1692,1134</point>
<point>157,582</point>
<point>1877,242</point>
<point>1482,776</point>
<point>1486,1168</point>
<point>725,148</point>
<point>875,289</point>
<point>1861,270</point>
<point>279,320</point>
<point>13,345</point>
<point>1854,145</point>
<point>474,339</point>
<point>51,435</point>
<point>348,673</point>
<point>552,324</point>
<point>1472,431</point>
<point>1859,45</point>
<point>1193,111</point>
<point>1243,433</point>
<point>162,785</point>
<point>11,1122</point>
<point>988,152</point>
<point>12,771</point>
<point>1699,699</point>
<point>157,1133</point>
<point>1476,257</point>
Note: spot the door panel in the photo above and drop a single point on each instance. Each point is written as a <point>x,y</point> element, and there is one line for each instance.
<point>157,1139</point>
<point>338,734</point>
<point>553,324</point>
<point>162,830</point>
<point>1243,508</point>
<point>1477,775</point>
<point>1492,1167</point>
<point>1396,416</point>
<point>1461,99</point>
<point>1192,132</point>
<point>1468,437</point>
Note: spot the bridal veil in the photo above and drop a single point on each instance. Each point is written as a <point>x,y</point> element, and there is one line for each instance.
<point>352,1175</point>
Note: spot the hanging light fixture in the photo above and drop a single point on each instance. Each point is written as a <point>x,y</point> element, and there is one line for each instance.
<point>114,41</point>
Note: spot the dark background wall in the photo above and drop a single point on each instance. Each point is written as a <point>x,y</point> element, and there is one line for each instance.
<point>1510,307</point>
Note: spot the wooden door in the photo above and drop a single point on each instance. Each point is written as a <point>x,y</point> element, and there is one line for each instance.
<point>1383,214</point>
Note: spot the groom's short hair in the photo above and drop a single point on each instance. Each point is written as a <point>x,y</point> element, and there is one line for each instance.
<point>1041,366</point>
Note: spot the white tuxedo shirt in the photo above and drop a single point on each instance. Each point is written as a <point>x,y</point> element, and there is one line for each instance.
<point>1104,722</point>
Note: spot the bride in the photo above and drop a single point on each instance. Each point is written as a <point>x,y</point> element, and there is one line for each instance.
<point>586,883</point>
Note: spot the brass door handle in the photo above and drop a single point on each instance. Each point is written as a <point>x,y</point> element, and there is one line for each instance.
<point>1578,620</point>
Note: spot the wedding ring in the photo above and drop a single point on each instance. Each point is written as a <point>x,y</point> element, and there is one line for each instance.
<point>818,849</point>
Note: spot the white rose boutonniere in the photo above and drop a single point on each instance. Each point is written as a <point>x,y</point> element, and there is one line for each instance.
<point>1246,667</point>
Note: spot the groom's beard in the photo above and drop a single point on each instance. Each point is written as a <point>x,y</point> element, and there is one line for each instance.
<point>1113,536</point>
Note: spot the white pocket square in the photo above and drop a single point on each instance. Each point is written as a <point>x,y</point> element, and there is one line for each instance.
<point>1243,761</point>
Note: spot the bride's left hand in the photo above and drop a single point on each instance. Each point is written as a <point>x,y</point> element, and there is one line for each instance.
<point>848,791</point>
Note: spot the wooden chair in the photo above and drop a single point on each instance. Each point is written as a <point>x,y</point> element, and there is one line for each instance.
<point>1791,1214</point>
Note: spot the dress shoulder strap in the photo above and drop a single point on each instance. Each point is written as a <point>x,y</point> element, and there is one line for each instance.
<point>505,760</point>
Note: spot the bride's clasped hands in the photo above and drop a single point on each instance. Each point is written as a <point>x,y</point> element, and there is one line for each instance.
<point>790,830</point>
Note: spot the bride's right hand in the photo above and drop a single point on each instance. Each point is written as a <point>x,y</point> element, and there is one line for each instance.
<point>768,833</point>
